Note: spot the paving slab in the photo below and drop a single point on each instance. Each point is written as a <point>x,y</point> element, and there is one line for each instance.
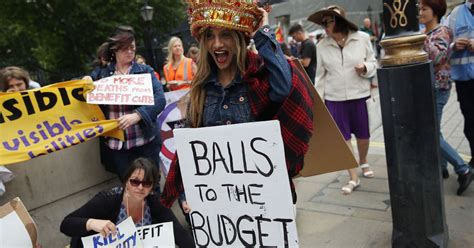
<point>370,214</point>
<point>374,185</point>
<point>307,189</point>
<point>325,208</point>
<point>324,178</point>
<point>358,199</point>
<point>460,240</point>
<point>327,230</point>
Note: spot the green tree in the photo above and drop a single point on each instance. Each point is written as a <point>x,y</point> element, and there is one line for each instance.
<point>60,37</point>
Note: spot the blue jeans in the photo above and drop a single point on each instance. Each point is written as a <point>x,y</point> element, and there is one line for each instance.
<point>447,152</point>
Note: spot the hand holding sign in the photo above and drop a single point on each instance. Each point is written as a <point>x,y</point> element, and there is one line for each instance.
<point>128,120</point>
<point>186,207</point>
<point>125,235</point>
<point>104,227</point>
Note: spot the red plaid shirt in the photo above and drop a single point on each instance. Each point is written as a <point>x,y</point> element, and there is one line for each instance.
<point>294,113</point>
<point>133,135</point>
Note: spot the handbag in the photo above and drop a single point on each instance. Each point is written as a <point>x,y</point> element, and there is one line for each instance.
<point>373,110</point>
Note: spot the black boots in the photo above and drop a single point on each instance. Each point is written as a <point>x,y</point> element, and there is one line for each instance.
<point>445,173</point>
<point>464,181</point>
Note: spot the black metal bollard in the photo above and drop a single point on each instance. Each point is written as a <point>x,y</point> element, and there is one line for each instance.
<point>412,150</point>
<point>406,84</point>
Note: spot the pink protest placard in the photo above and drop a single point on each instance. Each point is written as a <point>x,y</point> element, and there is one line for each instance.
<point>133,89</point>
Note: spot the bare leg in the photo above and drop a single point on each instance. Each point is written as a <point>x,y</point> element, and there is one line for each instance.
<point>363,148</point>
<point>352,172</point>
<point>354,179</point>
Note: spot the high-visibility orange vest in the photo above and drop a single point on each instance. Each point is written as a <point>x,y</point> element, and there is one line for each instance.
<point>184,72</point>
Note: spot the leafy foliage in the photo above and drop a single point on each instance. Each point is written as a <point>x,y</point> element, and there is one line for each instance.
<point>60,37</point>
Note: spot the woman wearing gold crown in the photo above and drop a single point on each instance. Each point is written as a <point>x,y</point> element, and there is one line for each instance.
<point>234,85</point>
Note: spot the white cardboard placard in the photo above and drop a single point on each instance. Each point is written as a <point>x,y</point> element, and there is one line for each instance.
<point>13,232</point>
<point>134,89</point>
<point>157,235</point>
<point>236,183</point>
<point>126,237</point>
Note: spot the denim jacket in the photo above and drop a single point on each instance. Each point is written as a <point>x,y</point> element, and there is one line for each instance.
<point>230,105</point>
<point>148,113</point>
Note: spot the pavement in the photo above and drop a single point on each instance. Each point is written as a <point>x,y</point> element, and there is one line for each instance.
<point>326,218</point>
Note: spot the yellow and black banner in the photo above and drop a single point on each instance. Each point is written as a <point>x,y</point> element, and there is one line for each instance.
<point>52,118</point>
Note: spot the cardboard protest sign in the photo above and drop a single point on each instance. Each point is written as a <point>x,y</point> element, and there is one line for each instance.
<point>17,228</point>
<point>328,150</point>
<point>13,233</point>
<point>158,235</point>
<point>126,237</point>
<point>237,185</point>
<point>49,119</point>
<point>170,118</point>
<point>135,89</point>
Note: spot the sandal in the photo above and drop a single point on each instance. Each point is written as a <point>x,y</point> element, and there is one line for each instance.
<point>368,172</point>
<point>350,186</point>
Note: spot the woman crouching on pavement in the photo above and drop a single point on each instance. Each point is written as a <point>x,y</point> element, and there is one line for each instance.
<point>135,199</point>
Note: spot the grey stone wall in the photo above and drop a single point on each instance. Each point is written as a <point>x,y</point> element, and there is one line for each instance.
<point>54,185</point>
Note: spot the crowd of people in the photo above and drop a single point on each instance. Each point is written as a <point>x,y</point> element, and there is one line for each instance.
<point>220,69</point>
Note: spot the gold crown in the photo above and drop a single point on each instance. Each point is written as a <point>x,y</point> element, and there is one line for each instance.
<point>240,15</point>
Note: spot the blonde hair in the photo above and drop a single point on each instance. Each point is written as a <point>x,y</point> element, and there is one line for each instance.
<point>170,56</point>
<point>198,92</point>
<point>139,57</point>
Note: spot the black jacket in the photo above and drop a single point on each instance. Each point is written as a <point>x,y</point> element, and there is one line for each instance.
<point>106,206</point>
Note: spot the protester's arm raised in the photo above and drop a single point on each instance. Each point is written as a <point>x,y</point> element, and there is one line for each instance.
<point>275,61</point>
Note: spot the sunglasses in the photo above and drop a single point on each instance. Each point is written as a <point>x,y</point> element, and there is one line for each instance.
<point>136,183</point>
<point>326,22</point>
<point>128,49</point>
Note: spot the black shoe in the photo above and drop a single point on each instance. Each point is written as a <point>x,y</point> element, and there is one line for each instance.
<point>464,181</point>
<point>445,173</point>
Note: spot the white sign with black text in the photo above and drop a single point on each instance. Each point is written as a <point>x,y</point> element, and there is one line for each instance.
<point>158,235</point>
<point>236,183</point>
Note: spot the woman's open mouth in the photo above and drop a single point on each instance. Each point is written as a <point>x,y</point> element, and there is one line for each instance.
<point>221,56</point>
